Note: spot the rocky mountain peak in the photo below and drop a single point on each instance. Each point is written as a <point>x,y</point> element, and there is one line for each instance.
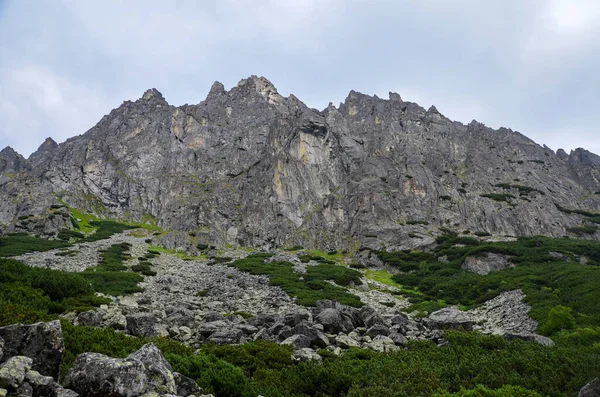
<point>43,151</point>
<point>216,90</point>
<point>11,161</point>
<point>153,95</point>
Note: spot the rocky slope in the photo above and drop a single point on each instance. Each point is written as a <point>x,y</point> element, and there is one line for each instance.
<point>250,167</point>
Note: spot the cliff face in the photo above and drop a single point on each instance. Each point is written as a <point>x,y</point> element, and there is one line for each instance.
<point>250,167</point>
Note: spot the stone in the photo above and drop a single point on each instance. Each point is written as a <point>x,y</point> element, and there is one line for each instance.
<point>449,318</point>
<point>487,263</point>
<point>42,342</point>
<point>542,340</point>
<point>1,348</point>
<point>186,386</point>
<point>12,372</point>
<point>398,339</point>
<point>296,317</point>
<point>88,319</point>
<point>332,321</point>
<point>158,370</point>
<point>346,341</point>
<point>382,344</point>
<point>297,341</point>
<point>61,392</point>
<point>97,375</point>
<point>24,390</point>
<point>41,385</point>
<point>306,354</point>
<point>592,389</point>
<point>377,329</point>
<point>143,324</point>
<point>226,336</point>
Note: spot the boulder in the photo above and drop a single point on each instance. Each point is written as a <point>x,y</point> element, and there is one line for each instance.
<point>96,375</point>
<point>295,317</point>
<point>186,386</point>
<point>592,389</point>
<point>485,264</point>
<point>542,340</point>
<point>306,354</point>
<point>398,339</point>
<point>88,319</point>
<point>346,341</point>
<point>1,348</point>
<point>335,321</point>
<point>317,337</point>
<point>377,329</point>
<point>382,344</point>
<point>158,369</point>
<point>25,390</point>
<point>13,371</point>
<point>297,341</point>
<point>449,318</point>
<point>41,385</point>
<point>145,325</point>
<point>42,342</point>
<point>228,336</point>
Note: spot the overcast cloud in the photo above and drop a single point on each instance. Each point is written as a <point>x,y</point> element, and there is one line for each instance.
<point>529,65</point>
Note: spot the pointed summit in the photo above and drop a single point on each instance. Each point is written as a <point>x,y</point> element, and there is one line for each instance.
<point>11,161</point>
<point>154,96</point>
<point>216,90</point>
<point>43,152</point>
<point>261,86</point>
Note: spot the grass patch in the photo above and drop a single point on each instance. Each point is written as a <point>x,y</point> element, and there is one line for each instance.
<point>307,288</point>
<point>19,244</point>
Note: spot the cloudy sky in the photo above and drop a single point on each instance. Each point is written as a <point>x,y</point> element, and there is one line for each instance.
<point>530,65</point>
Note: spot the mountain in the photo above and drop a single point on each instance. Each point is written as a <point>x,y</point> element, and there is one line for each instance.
<point>251,167</point>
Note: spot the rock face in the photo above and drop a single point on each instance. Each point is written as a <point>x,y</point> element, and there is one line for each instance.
<point>42,342</point>
<point>369,172</point>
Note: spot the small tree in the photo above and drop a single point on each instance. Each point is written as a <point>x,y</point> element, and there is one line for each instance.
<point>559,318</point>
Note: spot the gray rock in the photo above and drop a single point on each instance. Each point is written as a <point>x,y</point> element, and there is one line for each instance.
<point>449,318</point>
<point>334,321</point>
<point>296,317</point>
<point>487,263</point>
<point>96,375</point>
<point>346,341</point>
<point>144,325</point>
<point>24,390</point>
<point>1,348</point>
<point>226,336</point>
<point>62,392</point>
<point>297,341</point>
<point>377,329</point>
<point>186,386</point>
<point>42,342</point>
<point>592,389</point>
<point>158,370</point>
<point>12,372</point>
<point>542,340</point>
<point>88,319</point>
<point>42,385</point>
<point>382,344</point>
<point>306,354</point>
<point>398,339</point>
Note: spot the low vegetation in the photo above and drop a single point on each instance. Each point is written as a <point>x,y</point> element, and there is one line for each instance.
<point>546,279</point>
<point>308,288</point>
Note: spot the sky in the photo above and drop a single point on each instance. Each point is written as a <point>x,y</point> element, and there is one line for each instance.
<point>529,65</point>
